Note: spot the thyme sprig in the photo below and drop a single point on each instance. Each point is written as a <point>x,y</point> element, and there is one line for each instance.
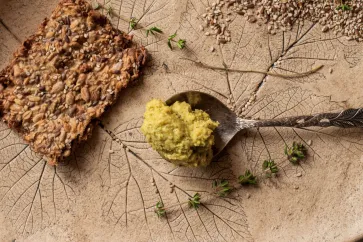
<point>194,201</point>
<point>247,179</point>
<point>222,187</point>
<point>180,43</point>
<point>159,209</point>
<point>270,168</point>
<point>153,30</point>
<point>295,153</point>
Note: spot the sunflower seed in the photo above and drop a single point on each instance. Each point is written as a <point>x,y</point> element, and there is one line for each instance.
<point>85,94</point>
<point>58,87</point>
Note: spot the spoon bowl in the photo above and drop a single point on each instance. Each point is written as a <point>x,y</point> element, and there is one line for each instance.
<point>230,124</point>
<point>217,111</point>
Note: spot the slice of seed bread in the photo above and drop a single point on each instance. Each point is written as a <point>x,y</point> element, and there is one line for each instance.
<point>64,76</point>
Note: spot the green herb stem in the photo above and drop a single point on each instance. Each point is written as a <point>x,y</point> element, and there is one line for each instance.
<point>203,65</point>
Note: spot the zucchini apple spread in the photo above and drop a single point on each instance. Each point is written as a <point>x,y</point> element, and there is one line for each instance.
<point>181,135</point>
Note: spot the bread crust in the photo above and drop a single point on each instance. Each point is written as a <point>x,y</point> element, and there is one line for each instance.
<point>64,76</point>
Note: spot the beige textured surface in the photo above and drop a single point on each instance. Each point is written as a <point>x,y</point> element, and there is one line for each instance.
<point>107,196</point>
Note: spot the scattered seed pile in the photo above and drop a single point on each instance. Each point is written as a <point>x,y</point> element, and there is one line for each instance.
<point>344,17</point>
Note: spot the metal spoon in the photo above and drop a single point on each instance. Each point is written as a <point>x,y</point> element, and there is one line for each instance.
<point>230,124</point>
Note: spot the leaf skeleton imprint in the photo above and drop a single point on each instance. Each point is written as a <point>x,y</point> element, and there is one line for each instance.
<point>133,180</point>
<point>33,194</point>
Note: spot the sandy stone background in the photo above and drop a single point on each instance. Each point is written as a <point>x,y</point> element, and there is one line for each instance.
<point>104,193</point>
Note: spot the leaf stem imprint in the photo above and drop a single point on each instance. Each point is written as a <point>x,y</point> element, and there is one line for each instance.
<point>175,205</point>
<point>203,65</point>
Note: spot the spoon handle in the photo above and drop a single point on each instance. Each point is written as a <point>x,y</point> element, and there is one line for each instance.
<point>350,118</point>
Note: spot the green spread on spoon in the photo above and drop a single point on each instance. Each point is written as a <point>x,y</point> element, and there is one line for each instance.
<point>181,135</point>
